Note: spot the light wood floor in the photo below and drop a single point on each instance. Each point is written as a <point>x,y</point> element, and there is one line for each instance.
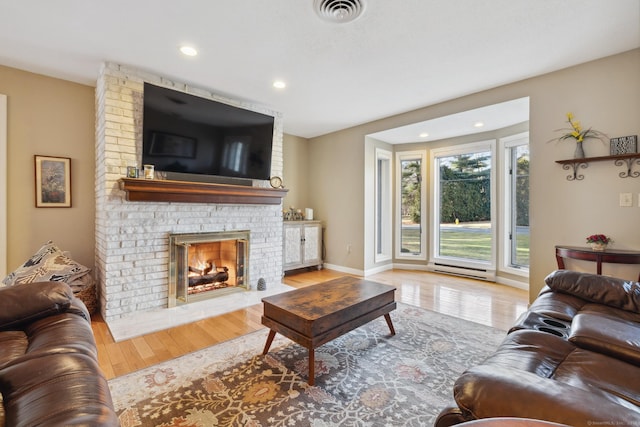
<point>477,301</point>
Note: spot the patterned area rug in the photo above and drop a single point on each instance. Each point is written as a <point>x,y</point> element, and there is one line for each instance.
<point>364,378</point>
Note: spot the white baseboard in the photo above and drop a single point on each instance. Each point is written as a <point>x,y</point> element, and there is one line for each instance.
<point>487,276</point>
<point>342,269</point>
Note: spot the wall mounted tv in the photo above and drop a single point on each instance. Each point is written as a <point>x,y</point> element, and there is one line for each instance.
<point>196,139</point>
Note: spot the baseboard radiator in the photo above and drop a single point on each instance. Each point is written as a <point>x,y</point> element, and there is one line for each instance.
<point>471,272</point>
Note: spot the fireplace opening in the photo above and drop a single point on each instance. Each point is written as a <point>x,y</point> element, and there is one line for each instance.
<point>207,265</point>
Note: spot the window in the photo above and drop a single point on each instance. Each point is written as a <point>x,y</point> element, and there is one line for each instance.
<point>383,205</point>
<point>411,212</point>
<point>516,203</point>
<point>464,205</point>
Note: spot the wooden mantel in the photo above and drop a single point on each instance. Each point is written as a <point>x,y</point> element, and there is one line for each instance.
<point>154,190</point>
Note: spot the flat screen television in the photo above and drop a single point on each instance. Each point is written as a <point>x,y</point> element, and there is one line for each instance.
<point>192,138</point>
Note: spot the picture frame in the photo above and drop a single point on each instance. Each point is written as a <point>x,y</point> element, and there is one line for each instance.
<point>53,181</point>
<point>623,145</point>
<point>169,145</point>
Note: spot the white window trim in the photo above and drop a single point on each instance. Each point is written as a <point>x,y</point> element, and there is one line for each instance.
<point>387,205</point>
<point>505,144</point>
<point>408,155</point>
<point>434,241</point>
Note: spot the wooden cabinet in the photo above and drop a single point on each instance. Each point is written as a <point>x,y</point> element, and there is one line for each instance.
<point>302,242</point>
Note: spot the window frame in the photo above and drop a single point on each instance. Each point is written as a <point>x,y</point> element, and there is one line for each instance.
<point>434,223</point>
<point>506,144</point>
<point>383,206</point>
<point>400,157</point>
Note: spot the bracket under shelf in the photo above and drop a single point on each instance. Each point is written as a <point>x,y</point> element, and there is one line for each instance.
<point>619,160</point>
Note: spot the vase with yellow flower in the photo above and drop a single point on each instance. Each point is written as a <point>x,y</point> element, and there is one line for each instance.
<point>577,133</point>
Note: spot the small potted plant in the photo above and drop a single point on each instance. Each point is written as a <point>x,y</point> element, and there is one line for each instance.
<point>598,242</point>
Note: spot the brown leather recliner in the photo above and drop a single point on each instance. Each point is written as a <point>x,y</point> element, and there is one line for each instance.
<point>572,358</point>
<point>49,374</point>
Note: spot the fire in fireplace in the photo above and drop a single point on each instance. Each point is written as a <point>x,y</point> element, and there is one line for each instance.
<point>206,265</point>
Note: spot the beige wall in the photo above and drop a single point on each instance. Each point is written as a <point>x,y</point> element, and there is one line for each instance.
<point>603,94</point>
<point>295,174</point>
<point>50,117</point>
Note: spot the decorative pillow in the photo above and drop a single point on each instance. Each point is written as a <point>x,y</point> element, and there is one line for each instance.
<point>48,264</point>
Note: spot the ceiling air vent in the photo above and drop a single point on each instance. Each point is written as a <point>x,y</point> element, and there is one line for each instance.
<point>339,10</point>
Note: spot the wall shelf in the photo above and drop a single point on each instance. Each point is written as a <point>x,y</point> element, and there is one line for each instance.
<point>618,159</point>
<point>154,190</point>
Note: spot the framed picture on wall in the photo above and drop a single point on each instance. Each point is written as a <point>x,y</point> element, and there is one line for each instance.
<point>53,182</point>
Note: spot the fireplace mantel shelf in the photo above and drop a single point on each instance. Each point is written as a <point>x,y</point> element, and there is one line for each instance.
<point>153,190</point>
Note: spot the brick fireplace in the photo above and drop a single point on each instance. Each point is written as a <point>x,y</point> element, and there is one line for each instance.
<point>132,237</point>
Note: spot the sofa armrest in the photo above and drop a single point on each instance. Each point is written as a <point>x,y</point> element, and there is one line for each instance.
<point>611,291</point>
<point>31,301</point>
<point>449,416</point>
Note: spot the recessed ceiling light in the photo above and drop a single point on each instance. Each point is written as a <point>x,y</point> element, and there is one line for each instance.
<point>478,124</point>
<point>188,50</point>
<point>423,135</point>
<point>279,84</point>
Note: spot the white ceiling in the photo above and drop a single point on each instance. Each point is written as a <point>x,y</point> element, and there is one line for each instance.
<point>398,56</point>
<point>491,117</point>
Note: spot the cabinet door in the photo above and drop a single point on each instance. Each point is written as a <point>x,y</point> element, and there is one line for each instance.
<point>292,246</point>
<point>312,243</point>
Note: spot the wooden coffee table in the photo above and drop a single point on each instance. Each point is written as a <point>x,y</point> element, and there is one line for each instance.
<point>317,314</point>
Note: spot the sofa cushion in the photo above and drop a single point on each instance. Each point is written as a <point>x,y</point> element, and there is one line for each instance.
<point>49,263</point>
<point>541,376</point>
<point>31,301</point>
<point>609,335</point>
<point>62,389</point>
<point>614,292</point>
<point>13,344</point>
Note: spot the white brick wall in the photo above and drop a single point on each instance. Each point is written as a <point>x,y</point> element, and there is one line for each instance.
<point>132,237</point>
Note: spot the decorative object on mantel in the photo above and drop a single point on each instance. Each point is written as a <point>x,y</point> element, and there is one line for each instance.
<point>276,182</point>
<point>599,242</point>
<point>577,133</point>
<point>149,171</point>
<point>262,284</point>
<point>132,172</point>
<point>624,145</point>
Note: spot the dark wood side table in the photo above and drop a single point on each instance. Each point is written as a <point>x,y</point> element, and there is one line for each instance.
<point>612,256</point>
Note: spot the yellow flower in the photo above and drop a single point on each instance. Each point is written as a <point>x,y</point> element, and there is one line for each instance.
<point>577,133</point>
<point>577,126</point>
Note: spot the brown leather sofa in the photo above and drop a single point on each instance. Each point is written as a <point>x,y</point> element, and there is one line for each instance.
<point>49,375</point>
<point>572,358</point>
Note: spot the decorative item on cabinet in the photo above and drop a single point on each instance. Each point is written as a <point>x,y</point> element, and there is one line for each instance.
<point>292,214</point>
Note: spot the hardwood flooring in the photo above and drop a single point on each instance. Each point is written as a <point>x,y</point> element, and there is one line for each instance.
<point>482,302</point>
